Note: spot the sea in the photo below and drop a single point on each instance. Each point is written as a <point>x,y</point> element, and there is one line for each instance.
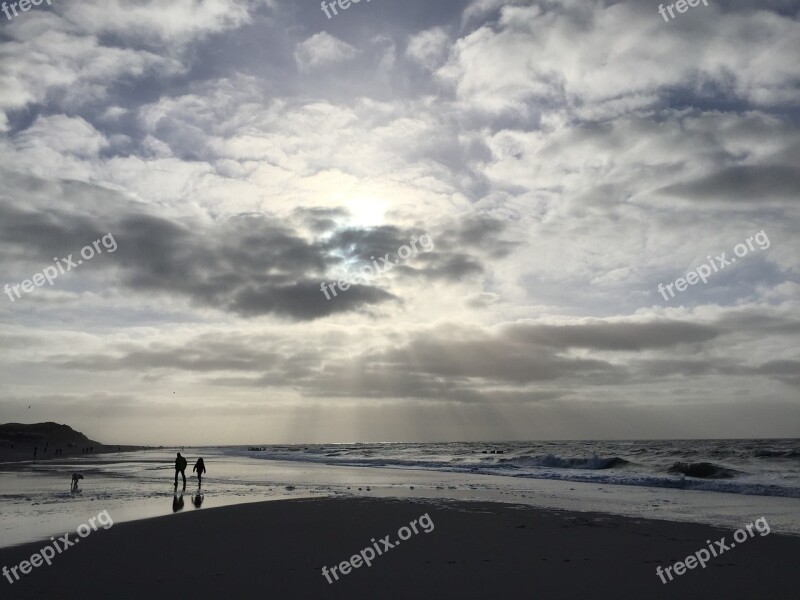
<point>760,467</point>
<point>727,483</point>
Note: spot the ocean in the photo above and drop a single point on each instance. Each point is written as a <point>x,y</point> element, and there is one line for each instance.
<point>761,467</point>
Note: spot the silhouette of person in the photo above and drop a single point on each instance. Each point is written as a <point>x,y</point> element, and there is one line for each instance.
<point>180,467</point>
<point>75,478</point>
<point>198,500</point>
<point>35,450</point>
<point>200,467</point>
<point>177,502</point>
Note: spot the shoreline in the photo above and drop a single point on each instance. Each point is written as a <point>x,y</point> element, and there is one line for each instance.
<point>133,486</point>
<point>474,550</point>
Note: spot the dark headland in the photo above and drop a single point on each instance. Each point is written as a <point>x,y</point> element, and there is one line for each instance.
<point>19,441</point>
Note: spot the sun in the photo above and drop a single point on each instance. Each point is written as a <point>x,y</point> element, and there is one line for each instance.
<point>365,211</point>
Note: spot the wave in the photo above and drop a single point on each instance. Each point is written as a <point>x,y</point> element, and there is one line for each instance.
<point>643,480</point>
<point>556,462</point>
<point>768,453</point>
<point>704,470</point>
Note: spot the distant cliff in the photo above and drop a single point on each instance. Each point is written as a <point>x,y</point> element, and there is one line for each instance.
<point>41,433</point>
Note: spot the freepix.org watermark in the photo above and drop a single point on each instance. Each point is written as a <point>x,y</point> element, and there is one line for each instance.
<point>681,6</point>
<point>48,553</point>
<point>343,4</point>
<point>367,555</point>
<point>386,264</point>
<point>701,557</point>
<point>50,273</point>
<point>715,265</point>
<point>24,6</point>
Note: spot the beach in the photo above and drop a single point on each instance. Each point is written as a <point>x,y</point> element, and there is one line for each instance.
<point>280,521</point>
<point>474,550</point>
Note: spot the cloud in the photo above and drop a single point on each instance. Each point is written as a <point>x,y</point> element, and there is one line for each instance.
<point>249,265</point>
<point>59,134</point>
<point>322,49</point>
<point>615,336</point>
<point>429,48</point>
<point>175,24</point>
<point>481,300</point>
<point>565,157</point>
<point>644,64</point>
<point>46,60</point>
<point>753,184</point>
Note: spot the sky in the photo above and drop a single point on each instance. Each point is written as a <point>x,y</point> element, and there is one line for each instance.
<point>524,180</point>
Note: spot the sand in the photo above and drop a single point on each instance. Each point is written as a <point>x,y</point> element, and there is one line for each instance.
<point>475,550</point>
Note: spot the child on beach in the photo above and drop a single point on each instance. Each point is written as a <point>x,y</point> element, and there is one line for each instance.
<point>200,467</point>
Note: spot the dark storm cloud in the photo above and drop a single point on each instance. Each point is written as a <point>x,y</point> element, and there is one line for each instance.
<point>744,183</point>
<point>43,235</point>
<point>614,336</point>
<point>303,300</point>
<point>249,265</point>
<point>450,260</point>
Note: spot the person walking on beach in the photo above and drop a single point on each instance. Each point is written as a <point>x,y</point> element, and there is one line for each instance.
<point>180,467</point>
<point>200,467</point>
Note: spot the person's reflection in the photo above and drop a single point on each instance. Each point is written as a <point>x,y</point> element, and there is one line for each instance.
<point>177,503</point>
<point>198,500</point>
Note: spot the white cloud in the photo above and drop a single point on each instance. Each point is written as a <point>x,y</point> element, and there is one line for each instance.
<point>580,55</point>
<point>322,49</point>
<point>56,65</point>
<point>429,48</point>
<point>173,23</point>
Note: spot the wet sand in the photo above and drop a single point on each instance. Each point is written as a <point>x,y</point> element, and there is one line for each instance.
<point>475,550</point>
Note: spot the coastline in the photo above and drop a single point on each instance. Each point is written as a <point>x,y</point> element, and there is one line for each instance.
<point>36,502</point>
<point>475,550</point>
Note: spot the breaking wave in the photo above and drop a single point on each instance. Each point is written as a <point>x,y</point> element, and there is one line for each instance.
<point>704,470</point>
<point>556,462</point>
